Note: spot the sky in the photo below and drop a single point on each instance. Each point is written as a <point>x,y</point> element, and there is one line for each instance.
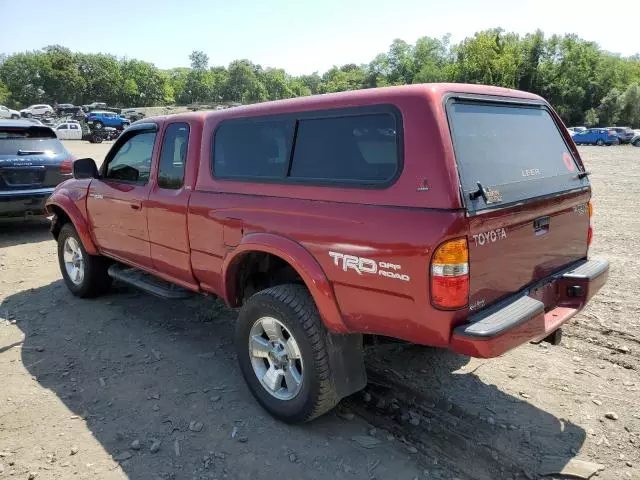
<point>300,36</point>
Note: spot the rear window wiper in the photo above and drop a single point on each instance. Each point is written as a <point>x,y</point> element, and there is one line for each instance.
<point>31,152</point>
<point>583,174</point>
<point>480,192</point>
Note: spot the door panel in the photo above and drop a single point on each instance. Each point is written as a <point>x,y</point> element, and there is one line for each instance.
<point>75,133</point>
<point>62,132</point>
<point>167,206</point>
<point>117,213</point>
<point>117,202</point>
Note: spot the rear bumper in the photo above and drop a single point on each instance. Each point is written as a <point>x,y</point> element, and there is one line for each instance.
<point>522,318</point>
<point>19,203</point>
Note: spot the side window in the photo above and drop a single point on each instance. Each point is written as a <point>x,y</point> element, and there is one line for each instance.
<point>252,148</point>
<point>173,156</point>
<point>73,126</point>
<point>357,148</point>
<point>132,162</point>
<point>63,127</point>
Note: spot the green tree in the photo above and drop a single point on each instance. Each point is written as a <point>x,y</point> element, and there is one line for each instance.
<point>21,74</point>
<point>610,108</point>
<point>244,85</point>
<point>630,106</point>
<point>591,118</point>
<point>431,56</point>
<point>199,81</point>
<point>102,77</point>
<point>4,93</point>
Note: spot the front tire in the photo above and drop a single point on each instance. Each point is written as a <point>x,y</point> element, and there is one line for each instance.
<point>98,125</point>
<point>600,142</point>
<point>85,275</point>
<point>282,348</point>
<point>15,117</point>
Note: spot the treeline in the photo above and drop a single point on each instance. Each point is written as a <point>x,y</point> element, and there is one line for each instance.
<point>584,83</point>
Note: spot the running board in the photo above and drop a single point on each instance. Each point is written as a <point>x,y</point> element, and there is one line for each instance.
<point>147,282</point>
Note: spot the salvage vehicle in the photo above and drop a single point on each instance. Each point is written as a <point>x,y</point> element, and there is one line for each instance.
<point>63,109</point>
<point>449,215</point>
<point>69,131</point>
<point>37,111</point>
<point>6,112</point>
<point>32,163</point>
<point>596,136</point>
<point>625,134</point>
<point>100,119</point>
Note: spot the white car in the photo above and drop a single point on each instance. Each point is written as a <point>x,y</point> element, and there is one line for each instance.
<point>574,130</point>
<point>37,110</point>
<point>6,112</point>
<point>69,131</point>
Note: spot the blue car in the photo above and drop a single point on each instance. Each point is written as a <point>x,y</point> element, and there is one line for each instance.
<point>32,162</point>
<point>596,136</point>
<point>99,119</point>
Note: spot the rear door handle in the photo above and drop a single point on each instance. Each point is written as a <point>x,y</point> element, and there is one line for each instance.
<point>135,206</point>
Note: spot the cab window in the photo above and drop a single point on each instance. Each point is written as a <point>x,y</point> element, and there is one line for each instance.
<point>132,162</point>
<point>173,156</point>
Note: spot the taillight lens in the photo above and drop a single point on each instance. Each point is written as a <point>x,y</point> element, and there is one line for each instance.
<point>450,275</point>
<point>590,231</point>
<point>66,167</point>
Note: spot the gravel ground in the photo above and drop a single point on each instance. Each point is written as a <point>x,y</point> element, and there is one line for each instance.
<point>129,386</point>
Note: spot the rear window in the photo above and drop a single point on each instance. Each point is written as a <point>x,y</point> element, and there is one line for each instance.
<point>513,152</point>
<point>36,138</point>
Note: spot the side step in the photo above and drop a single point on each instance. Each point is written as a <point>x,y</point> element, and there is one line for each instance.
<point>147,282</point>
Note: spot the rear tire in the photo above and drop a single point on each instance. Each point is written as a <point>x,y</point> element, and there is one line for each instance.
<point>85,275</point>
<point>636,143</point>
<point>295,353</point>
<point>600,142</point>
<point>98,125</point>
<point>15,117</point>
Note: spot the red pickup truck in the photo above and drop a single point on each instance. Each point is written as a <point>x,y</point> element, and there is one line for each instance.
<point>449,215</point>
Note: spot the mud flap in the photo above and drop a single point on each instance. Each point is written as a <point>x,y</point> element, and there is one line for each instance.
<point>346,357</point>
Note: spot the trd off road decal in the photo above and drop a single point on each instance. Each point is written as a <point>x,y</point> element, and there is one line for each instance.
<point>365,265</point>
<point>492,236</point>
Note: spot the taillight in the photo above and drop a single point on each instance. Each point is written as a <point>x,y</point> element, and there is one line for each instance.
<point>66,167</point>
<point>450,275</point>
<point>590,231</point>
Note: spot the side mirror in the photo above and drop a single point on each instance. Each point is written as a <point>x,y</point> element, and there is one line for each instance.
<point>85,168</point>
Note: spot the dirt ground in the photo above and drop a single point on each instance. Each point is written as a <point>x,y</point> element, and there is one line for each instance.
<point>129,386</point>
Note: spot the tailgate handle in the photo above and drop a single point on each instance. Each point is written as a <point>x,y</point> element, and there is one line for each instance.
<point>541,225</point>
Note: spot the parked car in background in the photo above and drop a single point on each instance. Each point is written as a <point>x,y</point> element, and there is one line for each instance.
<point>625,134</point>
<point>33,121</point>
<point>99,119</point>
<point>320,218</point>
<point>37,110</point>
<point>6,112</point>
<point>596,136</point>
<point>131,114</point>
<point>573,130</point>
<point>32,162</point>
<point>66,109</point>
<point>69,131</point>
<point>94,105</point>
